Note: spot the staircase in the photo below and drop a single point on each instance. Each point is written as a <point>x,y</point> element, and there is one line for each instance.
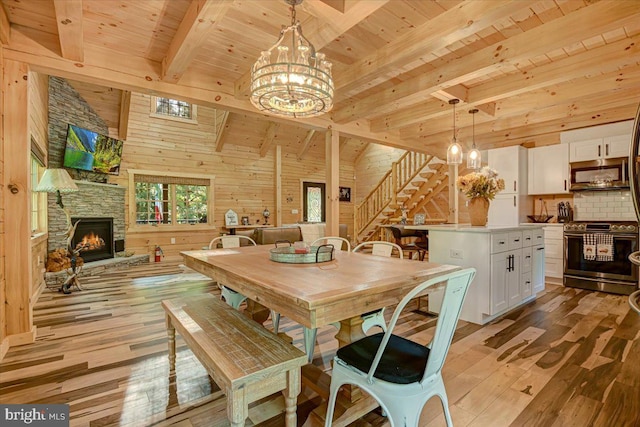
<point>412,183</point>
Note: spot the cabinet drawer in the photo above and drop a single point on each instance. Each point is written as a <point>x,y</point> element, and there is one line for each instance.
<point>526,259</point>
<point>553,248</point>
<point>538,237</point>
<point>499,242</point>
<point>515,240</point>
<point>527,238</point>
<point>553,267</point>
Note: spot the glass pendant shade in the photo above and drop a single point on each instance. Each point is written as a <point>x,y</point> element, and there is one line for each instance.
<point>474,158</point>
<point>296,80</point>
<point>454,152</point>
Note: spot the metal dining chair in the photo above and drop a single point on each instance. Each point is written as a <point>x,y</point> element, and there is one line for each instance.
<point>337,242</point>
<point>233,298</point>
<point>379,248</point>
<point>309,335</point>
<point>402,375</point>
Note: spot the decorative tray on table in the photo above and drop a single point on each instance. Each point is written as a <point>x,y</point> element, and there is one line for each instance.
<point>308,255</point>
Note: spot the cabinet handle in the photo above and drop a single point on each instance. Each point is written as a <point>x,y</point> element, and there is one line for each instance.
<point>606,149</point>
<point>516,240</point>
<point>514,186</point>
<point>528,256</point>
<point>599,150</point>
<point>540,249</point>
<point>501,243</point>
<point>514,201</point>
<point>565,185</point>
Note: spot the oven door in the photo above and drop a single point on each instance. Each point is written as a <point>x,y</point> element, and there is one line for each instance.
<point>620,269</point>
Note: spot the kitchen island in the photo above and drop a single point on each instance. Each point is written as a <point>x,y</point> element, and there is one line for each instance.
<point>509,261</point>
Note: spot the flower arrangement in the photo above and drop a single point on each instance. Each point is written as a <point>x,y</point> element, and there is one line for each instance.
<point>484,184</point>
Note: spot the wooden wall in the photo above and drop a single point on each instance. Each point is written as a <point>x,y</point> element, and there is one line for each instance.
<point>244,181</point>
<point>372,165</point>
<point>4,343</point>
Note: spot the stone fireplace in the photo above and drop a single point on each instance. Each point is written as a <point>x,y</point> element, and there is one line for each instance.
<point>93,238</point>
<point>93,202</point>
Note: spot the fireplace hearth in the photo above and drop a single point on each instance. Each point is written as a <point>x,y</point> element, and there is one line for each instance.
<point>93,238</point>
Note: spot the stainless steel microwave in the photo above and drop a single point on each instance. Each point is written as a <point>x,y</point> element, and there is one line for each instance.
<point>602,174</point>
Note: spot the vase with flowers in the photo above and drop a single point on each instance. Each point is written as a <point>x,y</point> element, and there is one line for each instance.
<point>480,187</point>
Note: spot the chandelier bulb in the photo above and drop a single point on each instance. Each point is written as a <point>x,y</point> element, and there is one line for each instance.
<point>474,158</point>
<point>454,151</point>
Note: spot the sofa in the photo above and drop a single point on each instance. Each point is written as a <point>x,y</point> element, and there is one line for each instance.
<point>291,233</point>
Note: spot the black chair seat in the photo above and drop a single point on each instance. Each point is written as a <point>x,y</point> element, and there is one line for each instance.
<point>403,361</point>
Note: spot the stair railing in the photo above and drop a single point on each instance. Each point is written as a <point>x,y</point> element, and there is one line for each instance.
<point>402,173</point>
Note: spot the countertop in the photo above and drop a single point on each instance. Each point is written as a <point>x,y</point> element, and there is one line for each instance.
<point>467,228</point>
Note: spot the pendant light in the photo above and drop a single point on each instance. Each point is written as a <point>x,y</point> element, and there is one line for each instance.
<point>474,158</point>
<point>454,152</point>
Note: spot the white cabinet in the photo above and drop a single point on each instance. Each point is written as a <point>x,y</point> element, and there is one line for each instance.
<point>511,206</point>
<point>600,148</point>
<point>548,169</point>
<point>505,263</point>
<point>554,251</point>
<point>599,142</point>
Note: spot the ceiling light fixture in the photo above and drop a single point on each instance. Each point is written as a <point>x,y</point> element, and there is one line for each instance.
<point>299,82</point>
<point>454,152</point>
<point>474,158</point>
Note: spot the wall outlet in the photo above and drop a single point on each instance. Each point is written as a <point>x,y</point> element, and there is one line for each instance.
<point>173,240</point>
<point>294,211</point>
<point>455,253</point>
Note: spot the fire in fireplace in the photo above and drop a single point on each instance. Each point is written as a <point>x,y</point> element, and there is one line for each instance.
<point>94,238</point>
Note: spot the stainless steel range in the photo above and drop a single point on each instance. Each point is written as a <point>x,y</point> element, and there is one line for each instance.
<point>612,273</point>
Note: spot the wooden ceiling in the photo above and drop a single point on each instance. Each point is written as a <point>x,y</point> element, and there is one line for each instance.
<point>532,68</point>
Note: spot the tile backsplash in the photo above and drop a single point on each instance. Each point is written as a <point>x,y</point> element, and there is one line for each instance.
<point>603,206</point>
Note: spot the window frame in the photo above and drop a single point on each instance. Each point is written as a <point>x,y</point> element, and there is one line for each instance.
<point>38,208</point>
<point>155,228</point>
<point>154,114</point>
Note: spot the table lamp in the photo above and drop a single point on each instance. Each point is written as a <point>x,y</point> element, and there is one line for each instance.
<point>58,181</point>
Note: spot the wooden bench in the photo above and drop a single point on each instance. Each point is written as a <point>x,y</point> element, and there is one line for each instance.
<point>247,361</point>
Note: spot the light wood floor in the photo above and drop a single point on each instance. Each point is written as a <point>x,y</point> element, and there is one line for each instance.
<point>572,358</point>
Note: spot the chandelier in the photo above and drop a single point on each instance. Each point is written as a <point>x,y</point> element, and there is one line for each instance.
<point>298,82</point>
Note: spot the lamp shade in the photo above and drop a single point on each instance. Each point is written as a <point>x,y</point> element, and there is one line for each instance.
<point>56,180</point>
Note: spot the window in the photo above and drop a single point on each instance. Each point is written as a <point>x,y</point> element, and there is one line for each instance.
<point>173,109</point>
<point>38,200</point>
<point>170,201</point>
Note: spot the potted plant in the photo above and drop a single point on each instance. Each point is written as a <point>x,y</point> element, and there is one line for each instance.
<point>480,187</point>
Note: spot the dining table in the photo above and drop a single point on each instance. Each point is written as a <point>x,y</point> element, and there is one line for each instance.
<point>315,295</point>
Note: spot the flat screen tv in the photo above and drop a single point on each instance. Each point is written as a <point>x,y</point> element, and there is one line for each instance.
<point>91,151</point>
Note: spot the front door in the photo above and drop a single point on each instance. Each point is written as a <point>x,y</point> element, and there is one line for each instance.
<point>313,205</point>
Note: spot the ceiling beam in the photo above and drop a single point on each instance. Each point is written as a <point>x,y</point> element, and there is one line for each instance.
<point>220,131</point>
<point>305,144</point>
<point>69,21</point>
<point>590,21</point>
<point>321,31</point>
<point>200,19</point>
<point>596,61</point>
<point>270,135</point>
<point>5,25</point>
<point>105,68</point>
<point>123,120</point>
<point>413,50</point>
<point>361,153</point>
<point>623,82</point>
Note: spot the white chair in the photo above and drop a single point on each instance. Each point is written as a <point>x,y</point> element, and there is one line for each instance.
<point>309,335</point>
<point>337,242</point>
<point>378,248</point>
<point>400,374</point>
<point>233,298</point>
